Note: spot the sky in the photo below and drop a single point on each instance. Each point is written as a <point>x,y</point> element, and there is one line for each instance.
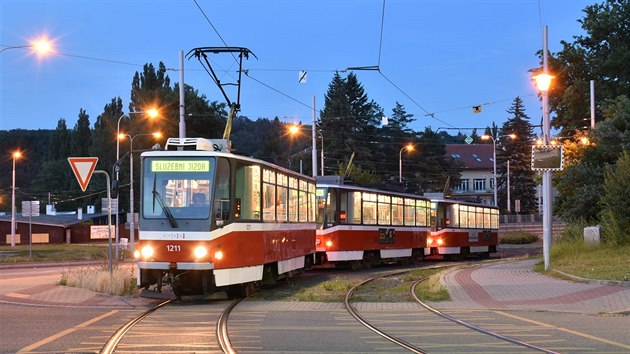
<point>438,58</point>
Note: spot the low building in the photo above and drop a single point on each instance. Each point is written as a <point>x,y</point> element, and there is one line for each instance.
<point>476,180</point>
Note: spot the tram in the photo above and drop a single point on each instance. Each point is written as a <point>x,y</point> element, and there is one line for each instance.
<point>211,220</point>
<point>459,229</point>
<point>361,227</point>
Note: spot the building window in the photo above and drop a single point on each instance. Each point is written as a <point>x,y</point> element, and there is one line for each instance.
<point>463,186</point>
<point>479,184</point>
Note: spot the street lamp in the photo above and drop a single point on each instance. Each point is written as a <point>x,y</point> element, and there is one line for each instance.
<point>132,225</point>
<point>152,113</point>
<point>494,159</point>
<point>16,155</point>
<point>543,82</point>
<point>41,46</point>
<point>409,147</point>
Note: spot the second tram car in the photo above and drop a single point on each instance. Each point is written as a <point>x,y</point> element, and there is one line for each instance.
<point>362,226</point>
<point>212,220</point>
<point>460,228</point>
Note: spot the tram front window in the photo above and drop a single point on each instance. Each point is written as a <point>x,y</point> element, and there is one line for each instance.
<point>183,184</point>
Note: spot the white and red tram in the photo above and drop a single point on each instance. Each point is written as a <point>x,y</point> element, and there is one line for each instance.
<point>362,226</point>
<point>461,228</point>
<point>211,220</point>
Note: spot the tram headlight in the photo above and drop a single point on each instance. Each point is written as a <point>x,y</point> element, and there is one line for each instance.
<point>440,241</point>
<point>136,254</point>
<point>218,255</point>
<point>147,251</point>
<point>329,243</point>
<point>200,252</point>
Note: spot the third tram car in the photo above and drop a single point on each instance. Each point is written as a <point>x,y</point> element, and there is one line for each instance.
<point>459,229</point>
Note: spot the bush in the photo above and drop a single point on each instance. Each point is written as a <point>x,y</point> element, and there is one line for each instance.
<point>574,230</point>
<point>122,281</point>
<point>517,238</point>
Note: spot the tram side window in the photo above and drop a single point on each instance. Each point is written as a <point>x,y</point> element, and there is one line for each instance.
<point>384,210</point>
<point>369,209</point>
<point>397,211</point>
<point>479,218</point>
<point>463,216</point>
<point>410,212</point>
<point>269,195</point>
<point>283,197</point>
<point>248,191</point>
<point>351,202</point>
<point>312,204</point>
<point>471,217</point>
<point>453,215</point>
<point>293,200</point>
<point>422,214</point>
<point>494,219</point>
<point>221,207</point>
<point>486,218</point>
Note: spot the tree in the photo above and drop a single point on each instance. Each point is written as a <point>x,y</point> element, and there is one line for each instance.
<point>391,138</point>
<point>518,152</point>
<point>81,135</point>
<point>601,55</point>
<point>432,170</point>
<point>615,202</point>
<point>349,121</point>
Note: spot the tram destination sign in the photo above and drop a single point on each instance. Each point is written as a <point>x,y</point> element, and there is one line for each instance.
<point>547,157</point>
<point>180,166</point>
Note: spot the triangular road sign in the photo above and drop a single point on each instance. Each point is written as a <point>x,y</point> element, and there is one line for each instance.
<point>83,167</point>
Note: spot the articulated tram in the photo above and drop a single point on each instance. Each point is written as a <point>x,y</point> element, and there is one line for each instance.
<point>211,220</point>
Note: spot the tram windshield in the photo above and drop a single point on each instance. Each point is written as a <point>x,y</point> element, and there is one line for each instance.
<point>179,186</point>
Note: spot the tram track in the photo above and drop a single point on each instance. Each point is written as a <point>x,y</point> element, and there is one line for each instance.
<point>221,328</point>
<point>417,348</point>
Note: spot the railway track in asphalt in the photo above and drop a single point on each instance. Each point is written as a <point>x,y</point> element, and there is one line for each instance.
<point>160,328</point>
<point>398,335</point>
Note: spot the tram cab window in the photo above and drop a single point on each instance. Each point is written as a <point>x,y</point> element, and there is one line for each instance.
<point>221,207</point>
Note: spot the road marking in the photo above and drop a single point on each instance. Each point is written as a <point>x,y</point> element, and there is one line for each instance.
<point>570,331</point>
<point>66,332</point>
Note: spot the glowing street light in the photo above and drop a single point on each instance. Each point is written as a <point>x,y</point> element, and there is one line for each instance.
<point>494,159</point>
<point>16,155</point>
<point>132,224</point>
<point>40,46</point>
<point>152,113</point>
<point>409,148</point>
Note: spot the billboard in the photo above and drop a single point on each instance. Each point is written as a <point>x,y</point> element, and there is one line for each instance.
<point>547,157</point>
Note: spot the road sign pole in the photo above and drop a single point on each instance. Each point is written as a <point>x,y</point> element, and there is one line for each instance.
<point>109,222</point>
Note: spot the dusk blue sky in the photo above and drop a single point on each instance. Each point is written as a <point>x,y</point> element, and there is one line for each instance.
<point>446,55</point>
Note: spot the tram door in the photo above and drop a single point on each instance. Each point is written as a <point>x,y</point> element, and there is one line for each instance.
<point>221,205</point>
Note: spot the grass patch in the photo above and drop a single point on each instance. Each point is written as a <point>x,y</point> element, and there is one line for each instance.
<point>122,281</point>
<point>517,238</point>
<point>604,262</point>
<point>57,253</point>
<point>431,289</point>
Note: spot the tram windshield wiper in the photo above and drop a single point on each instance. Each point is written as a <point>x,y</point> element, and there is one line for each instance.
<point>167,211</point>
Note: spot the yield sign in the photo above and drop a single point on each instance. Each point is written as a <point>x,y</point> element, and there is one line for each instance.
<point>83,167</point>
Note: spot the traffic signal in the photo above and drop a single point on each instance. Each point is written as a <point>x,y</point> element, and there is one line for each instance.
<point>115,185</point>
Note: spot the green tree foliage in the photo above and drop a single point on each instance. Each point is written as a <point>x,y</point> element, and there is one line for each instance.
<point>81,135</point>
<point>518,152</point>
<point>615,202</point>
<point>349,121</point>
<point>601,55</point>
<point>391,138</point>
<point>580,185</point>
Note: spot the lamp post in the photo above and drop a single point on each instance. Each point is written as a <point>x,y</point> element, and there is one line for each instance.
<point>409,147</point>
<point>41,46</point>
<point>543,82</point>
<point>132,223</point>
<point>322,153</point>
<point>16,155</point>
<point>152,113</point>
<point>494,159</point>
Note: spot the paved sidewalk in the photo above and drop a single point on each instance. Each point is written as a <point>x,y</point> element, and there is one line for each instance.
<point>515,286</point>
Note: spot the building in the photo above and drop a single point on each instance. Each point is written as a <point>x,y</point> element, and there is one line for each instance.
<point>476,180</point>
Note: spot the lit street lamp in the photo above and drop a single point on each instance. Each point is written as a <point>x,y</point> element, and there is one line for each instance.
<point>132,224</point>
<point>16,155</point>
<point>409,147</point>
<point>152,113</point>
<point>494,159</point>
<point>41,46</point>
<point>543,82</point>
